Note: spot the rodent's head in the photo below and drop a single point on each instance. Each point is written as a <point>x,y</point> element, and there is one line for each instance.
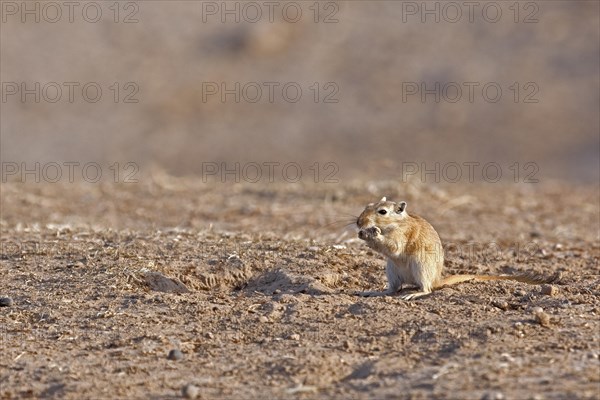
<point>380,218</point>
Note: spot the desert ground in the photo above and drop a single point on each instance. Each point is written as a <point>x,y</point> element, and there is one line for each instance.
<point>255,285</point>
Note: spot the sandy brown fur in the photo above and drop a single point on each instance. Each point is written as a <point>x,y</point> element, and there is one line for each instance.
<point>414,251</point>
<point>529,278</point>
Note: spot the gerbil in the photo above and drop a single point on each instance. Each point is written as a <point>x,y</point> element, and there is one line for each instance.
<point>414,251</point>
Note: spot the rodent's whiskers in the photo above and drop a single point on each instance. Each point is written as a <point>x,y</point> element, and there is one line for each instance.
<point>347,221</point>
<point>344,222</point>
<point>340,224</point>
<point>350,215</point>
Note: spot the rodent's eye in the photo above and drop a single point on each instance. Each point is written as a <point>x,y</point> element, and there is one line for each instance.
<point>382,212</point>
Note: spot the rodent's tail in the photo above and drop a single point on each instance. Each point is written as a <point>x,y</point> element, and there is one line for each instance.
<point>531,278</point>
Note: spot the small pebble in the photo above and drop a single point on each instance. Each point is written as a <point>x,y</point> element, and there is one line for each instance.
<point>543,319</point>
<point>295,336</point>
<point>493,396</point>
<point>546,254</point>
<point>503,305</point>
<point>190,391</point>
<point>263,319</point>
<point>175,354</point>
<point>6,302</point>
<point>549,290</point>
<point>536,310</point>
<point>520,292</point>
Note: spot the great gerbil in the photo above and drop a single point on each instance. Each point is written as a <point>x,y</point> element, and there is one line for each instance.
<point>414,251</point>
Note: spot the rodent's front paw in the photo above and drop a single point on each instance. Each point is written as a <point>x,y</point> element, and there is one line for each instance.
<point>369,233</point>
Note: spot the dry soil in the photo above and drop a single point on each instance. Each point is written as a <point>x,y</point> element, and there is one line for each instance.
<point>255,284</point>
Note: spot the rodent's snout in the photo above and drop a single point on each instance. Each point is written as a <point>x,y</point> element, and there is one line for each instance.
<point>369,233</point>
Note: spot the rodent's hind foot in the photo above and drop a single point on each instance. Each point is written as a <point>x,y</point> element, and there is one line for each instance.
<point>414,295</point>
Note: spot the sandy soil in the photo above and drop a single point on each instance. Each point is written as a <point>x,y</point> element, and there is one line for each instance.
<point>255,285</point>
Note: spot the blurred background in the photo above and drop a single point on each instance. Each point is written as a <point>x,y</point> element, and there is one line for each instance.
<point>368,86</point>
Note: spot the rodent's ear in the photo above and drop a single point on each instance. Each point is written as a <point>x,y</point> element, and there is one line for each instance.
<point>383,199</point>
<point>400,207</point>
